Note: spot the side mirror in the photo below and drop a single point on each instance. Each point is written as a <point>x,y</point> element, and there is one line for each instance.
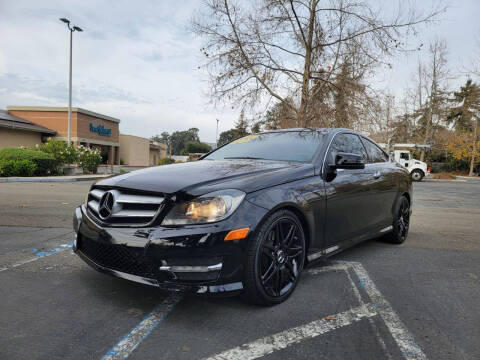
<point>348,161</point>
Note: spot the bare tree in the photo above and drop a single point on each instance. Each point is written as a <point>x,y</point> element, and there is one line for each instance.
<point>297,49</point>
<point>474,68</point>
<point>433,80</point>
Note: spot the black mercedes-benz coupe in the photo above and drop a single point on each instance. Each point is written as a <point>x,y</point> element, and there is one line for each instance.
<point>247,217</point>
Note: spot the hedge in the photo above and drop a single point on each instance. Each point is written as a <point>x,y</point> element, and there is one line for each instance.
<point>165,161</point>
<point>45,164</point>
<point>17,168</point>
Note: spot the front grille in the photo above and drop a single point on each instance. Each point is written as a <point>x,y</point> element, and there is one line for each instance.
<point>116,257</point>
<point>123,207</point>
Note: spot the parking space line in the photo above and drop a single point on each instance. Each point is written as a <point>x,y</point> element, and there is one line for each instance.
<point>130,341</point>
<point>40,255</point>
<point>284,339</point>
<point>404,339</point>
<point>378,305</point>
<point>379,337</point>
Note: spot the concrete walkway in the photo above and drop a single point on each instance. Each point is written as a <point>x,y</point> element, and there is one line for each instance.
<point>54,178</point>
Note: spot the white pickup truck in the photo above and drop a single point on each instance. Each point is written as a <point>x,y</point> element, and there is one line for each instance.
<point>418,169</point>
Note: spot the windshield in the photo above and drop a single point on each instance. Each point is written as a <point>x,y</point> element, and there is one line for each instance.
<point>284,146</point>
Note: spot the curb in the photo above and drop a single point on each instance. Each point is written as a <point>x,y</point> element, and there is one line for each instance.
<point>50,179</point>
<point>475,177</point>
<point>452,180</point>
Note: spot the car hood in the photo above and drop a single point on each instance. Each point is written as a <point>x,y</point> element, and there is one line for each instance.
<point>200,177</point>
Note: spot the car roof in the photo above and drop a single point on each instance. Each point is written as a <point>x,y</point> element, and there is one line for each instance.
<point>322,130</point>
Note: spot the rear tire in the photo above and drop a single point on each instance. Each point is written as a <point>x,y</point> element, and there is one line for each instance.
<point>417,175</point>
<point>275,259</point>
<point>401,222</point>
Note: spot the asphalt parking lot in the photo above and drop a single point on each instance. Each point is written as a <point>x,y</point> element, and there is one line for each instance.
<point>374,301</point>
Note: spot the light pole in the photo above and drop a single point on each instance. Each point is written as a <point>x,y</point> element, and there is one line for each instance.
<point>72,29</point>
<point>216,136</point>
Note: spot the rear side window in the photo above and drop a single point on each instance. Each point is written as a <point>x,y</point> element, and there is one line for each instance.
<point>375,154</point>
<point>347,143</point>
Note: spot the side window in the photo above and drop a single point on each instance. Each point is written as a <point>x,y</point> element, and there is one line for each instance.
<point>404,156</point>
<point>347,143</point>
<point>374,152</point>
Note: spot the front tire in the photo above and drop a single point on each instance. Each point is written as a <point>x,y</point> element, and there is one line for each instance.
<point>275,259</point>
<point>417,175</point>
<point>401,222</point>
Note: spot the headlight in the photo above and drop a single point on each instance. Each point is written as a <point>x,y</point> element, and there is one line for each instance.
<point>207,208</point>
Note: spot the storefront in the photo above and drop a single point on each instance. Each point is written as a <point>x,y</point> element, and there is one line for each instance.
<point>88,128</point>
<point>16,132</point>
<point>139,151</point>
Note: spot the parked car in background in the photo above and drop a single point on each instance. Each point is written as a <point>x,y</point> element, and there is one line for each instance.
<point>249,216</point>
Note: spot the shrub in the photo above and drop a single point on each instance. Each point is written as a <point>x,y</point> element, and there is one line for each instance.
<point>45,163</point>
<point>165,161</point>
<point>88,159</point>
<point>17,168</point>
<point>64,153</point>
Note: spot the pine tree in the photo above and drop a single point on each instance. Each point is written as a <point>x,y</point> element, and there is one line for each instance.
<point>465,117</point>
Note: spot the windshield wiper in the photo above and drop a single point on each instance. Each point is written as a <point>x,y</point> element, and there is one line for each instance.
<point>244,157</point>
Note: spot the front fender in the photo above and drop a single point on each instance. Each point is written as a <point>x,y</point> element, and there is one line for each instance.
<point>305,197</point>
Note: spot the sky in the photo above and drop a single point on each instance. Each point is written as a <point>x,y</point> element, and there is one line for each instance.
<point>138,60</point>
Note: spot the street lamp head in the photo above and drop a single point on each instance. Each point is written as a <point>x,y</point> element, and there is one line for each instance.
<point>77,28</point>
<point>65,20</point>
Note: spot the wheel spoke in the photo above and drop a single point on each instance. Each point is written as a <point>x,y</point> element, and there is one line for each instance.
<point>272,270</point>
<point>289,267</point>
<point>279,280</point>
<point>289,238</point>
<point>279,234</point>
<point>294,251</point>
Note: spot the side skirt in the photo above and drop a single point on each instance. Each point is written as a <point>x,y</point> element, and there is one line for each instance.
<point>343,245</point>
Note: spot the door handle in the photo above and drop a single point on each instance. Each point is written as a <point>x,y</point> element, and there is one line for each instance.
<point>376,175</point>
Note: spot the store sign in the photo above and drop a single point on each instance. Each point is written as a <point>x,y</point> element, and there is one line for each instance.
<point>100,130</point>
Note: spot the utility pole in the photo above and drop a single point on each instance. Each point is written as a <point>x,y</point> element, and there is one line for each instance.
<point>72,29</point>
<point>216,136</point>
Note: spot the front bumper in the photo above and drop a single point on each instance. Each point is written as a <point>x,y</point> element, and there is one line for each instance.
<point>192,258</point>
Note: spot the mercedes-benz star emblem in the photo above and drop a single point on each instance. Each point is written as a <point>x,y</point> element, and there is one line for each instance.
<point>106,205</point>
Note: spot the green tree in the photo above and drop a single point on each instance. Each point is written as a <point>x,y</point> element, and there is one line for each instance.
<point>196,147</point>
<point>240,129</point>
<point>178,139</point>
<point>280,116</point>
<point>227,136</point>
<point>256,127</point>
<point>241,125</point>
<point>163,138</point>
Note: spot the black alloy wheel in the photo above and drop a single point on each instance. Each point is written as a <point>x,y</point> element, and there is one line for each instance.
<point>401,223</point>
<point>275,259</point>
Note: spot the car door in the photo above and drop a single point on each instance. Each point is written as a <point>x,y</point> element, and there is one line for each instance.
<point>347,193</point>
<point>383,185</point>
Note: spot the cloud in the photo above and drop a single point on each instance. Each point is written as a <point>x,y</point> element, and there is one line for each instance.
<point>137,63</point>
